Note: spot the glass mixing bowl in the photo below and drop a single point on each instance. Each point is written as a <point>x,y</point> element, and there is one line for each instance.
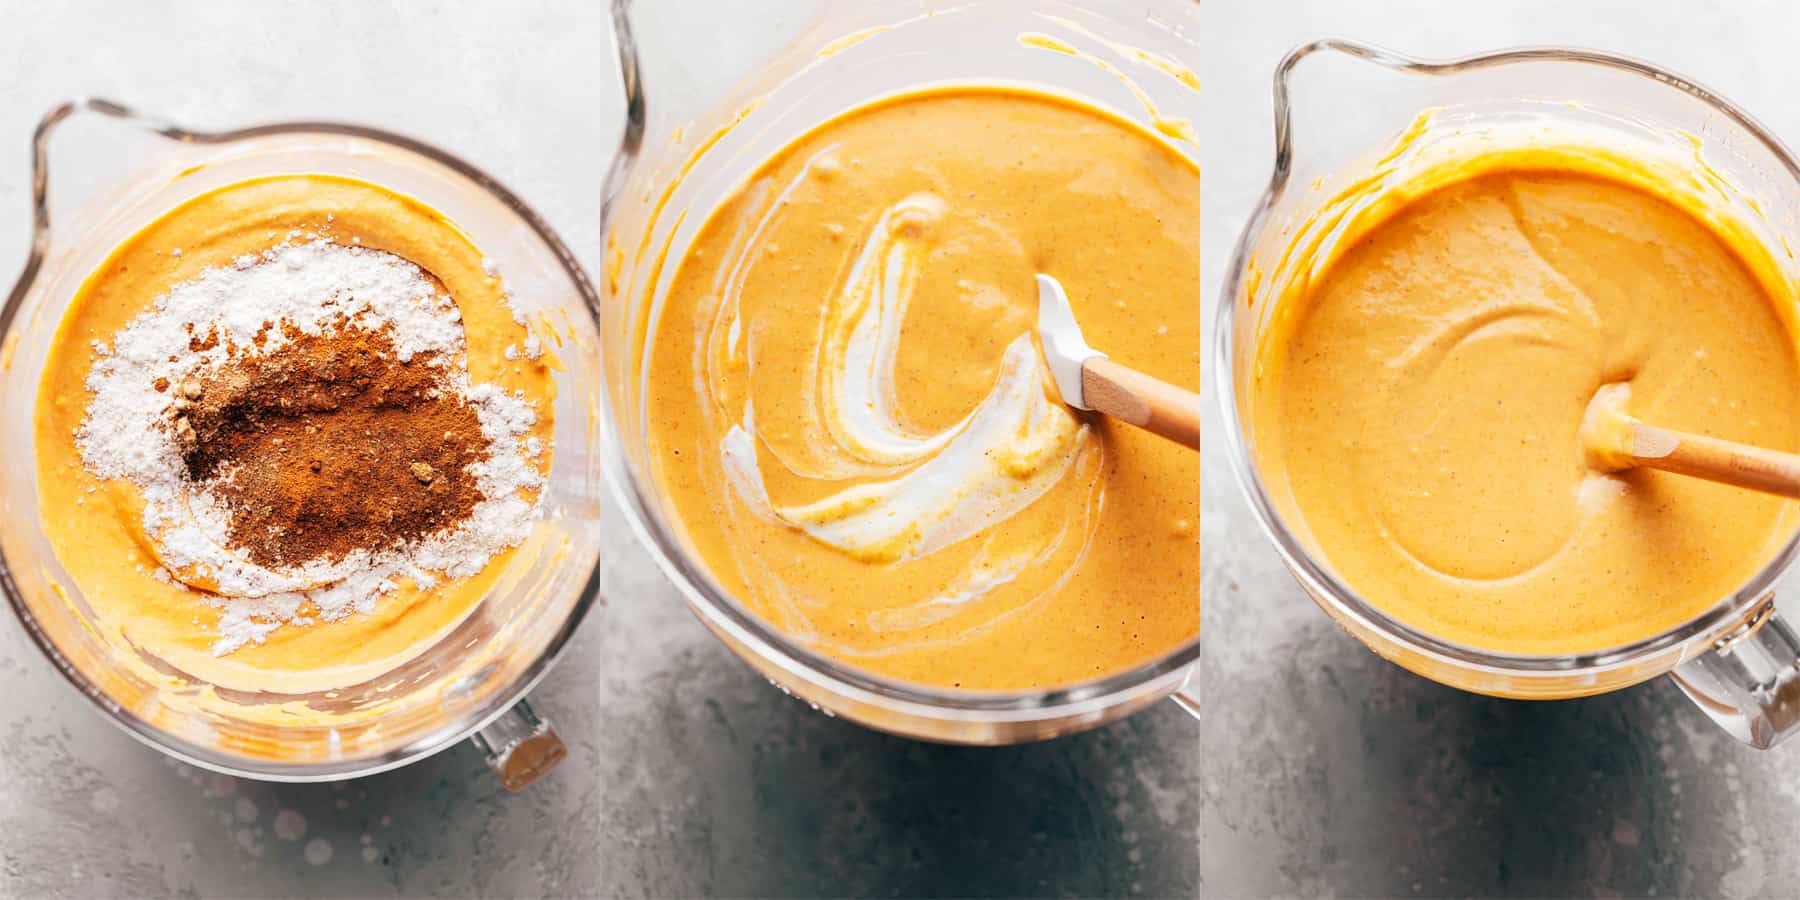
<point>695,131</point>
<point>1738,661</point>
<point>101,172</point>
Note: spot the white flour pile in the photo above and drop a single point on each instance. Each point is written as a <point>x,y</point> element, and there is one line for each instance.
<point>310,286</point>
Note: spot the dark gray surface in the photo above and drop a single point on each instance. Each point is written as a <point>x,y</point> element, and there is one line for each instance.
<point>89,812</point>
<point>714,783</point>
<point>1339,773</point>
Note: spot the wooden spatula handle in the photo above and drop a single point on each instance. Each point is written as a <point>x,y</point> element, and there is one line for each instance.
<point>1133,397</point>
<point>1713,459</point>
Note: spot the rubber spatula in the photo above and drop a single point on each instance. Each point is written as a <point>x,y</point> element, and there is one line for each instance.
<point>1087,379</point>
<point>1615,440</point>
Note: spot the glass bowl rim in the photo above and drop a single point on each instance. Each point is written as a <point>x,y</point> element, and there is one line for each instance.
<point>717,608</point>
<point>171,744</point>
<point>1316,578</point>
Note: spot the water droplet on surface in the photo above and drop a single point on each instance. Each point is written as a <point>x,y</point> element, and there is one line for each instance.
<point>318,851</point>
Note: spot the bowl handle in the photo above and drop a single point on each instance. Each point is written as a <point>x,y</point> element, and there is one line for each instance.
<point>1749,682</point>
<point>1188,695</point>
<point>520,747</point>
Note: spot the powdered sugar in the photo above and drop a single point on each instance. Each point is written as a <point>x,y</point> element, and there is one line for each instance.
<point>194,328</point>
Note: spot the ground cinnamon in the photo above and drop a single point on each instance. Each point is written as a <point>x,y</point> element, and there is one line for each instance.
<point>329,444</point>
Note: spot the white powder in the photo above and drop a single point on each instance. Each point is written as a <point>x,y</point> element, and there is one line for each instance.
<point>309,286</point>
<point>533,349</point>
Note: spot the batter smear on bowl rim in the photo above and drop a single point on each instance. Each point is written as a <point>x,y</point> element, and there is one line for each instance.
<point>287,435</point>
<point>855,426</point>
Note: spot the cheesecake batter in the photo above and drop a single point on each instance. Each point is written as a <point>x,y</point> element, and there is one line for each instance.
<point>97,525</point>
<point>850,415</point>
<point>1419,406</point>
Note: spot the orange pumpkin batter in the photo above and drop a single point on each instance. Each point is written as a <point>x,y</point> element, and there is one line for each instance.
<point>1421,407</point>
<point>96,526</point>
<point>850,416</point>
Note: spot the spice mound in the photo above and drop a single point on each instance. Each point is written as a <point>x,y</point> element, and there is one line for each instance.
<point>305,434</point>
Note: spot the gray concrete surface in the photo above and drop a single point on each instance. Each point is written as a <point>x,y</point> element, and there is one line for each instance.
<point>1329,772</point>
<point>688,775</point>
<point>713,783</point>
